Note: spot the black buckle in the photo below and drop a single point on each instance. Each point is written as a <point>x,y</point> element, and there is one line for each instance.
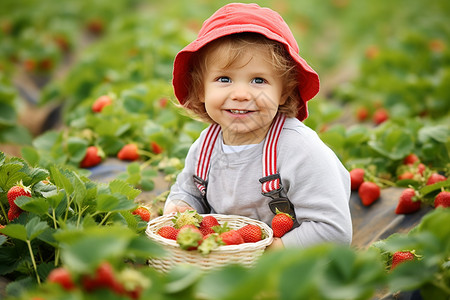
<point>200,181</point>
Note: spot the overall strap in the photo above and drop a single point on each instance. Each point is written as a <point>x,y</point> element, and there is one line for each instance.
<point>204,158</point>
<point>271,181</point>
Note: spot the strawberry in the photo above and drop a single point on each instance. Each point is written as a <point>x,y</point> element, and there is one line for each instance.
<point>251,233</point>
<point>100,103</point>
<point>104,277</point>
<point>62,277</point>
<point>209,243</point>
<point>410,159</point>
<point>406,205</point>
<point>231,237</point>
<point>168,232</point>
<point>400,257</point>
<point>207,224</point>
<point>356,178</point>
<point>189,237</point>
<point>442,199</point>
<point>281,223</point>
<point>163,102</point>
<point>92,157</point>
<point>95,26</point>
<point>380,115</point>
<point>406,175</point>
<point>128,152</point>
<point>143,212</point>
<point>368,192</point>
<point>420,169</point>
<point>362,113</point>
<point>188,217</point>
<point>435,177</point>
<point>16,191</point>
<point>156,148</point>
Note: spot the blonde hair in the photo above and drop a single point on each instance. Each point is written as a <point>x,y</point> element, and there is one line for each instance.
<point>235,45</point>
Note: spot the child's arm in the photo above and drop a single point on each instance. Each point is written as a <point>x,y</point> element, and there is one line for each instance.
<point>277,243</point>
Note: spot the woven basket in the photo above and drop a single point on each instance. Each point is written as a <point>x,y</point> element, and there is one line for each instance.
<point>244,254</point>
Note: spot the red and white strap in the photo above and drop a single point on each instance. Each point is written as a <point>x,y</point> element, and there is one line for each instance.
<point>204,159</point>
<point>270,155</point>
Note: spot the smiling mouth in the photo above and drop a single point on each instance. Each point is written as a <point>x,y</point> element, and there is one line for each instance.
<point>240,112</point>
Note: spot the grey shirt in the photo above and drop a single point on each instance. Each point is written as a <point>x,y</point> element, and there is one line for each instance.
<point>314,180</point>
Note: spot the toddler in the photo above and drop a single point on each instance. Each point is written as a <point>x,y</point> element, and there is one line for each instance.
<point>243,74</point>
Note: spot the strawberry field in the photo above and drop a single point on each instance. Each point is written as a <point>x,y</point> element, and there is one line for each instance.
<point>91,140</point>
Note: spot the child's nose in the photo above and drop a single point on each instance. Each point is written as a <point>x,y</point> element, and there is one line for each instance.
<point>241,93</point>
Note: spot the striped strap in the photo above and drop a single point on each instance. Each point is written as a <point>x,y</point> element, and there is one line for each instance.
<point>204,158</point>
<point>269,159</point>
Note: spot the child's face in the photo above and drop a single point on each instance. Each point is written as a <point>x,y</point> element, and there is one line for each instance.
<point>244,97</point>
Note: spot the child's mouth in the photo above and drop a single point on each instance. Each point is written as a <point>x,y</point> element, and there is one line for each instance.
<point>238,112</point>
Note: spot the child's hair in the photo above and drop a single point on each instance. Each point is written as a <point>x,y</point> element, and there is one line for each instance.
<point>234,46</point>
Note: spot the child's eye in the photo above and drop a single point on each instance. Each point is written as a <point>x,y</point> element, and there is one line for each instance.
<point>223,79</point>
<point>258,80</point>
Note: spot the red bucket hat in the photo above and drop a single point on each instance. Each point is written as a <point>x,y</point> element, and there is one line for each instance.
<point>238,17</point>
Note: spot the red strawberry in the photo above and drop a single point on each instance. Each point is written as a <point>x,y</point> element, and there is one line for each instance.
<point>189,237</point>
<point>168,232</point>
<point>207,224</point>
<point>380,115</point>
<point>100,103</point>
<point>421,168</point>
<point>356,178</point>
<point>128,152</point>
<point>231,237</point>
<point>435,177</point>
<point>251,233</point>
<point>406,175</point>
<point>442,199</point>
<point>362,113</point>
<point>92,158</point>
<point>281,223</point>
<point>16,191</point>
<point>156,148</point>
<point>401,256</point>
<point>14,212</point>
<point>62,277</point>
<point>368,192</point>
<point>406,205</point>
<point>104,277</point>
<point>163,102</point>
<point>143,212</point>
<point>410,159</point>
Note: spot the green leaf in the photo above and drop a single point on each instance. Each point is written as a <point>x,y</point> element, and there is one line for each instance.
<point>10,175</point>
<point>392,142</point>
<point>31,155</point>
<point>80,192</point>
<point>115,202</point>
<point>142,246</point>
<point>16,231</point>
<point>35,205</point>
<point>61,179</point>
<point>434,187</point>
<point>439,133</point>
<point>55,199</point>
<point>121,187</point>
<point>77,148</point>
<point>35,227</point>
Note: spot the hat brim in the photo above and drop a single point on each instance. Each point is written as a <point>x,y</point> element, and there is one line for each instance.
<point>308,79</point>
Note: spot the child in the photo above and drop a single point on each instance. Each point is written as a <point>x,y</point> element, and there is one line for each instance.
<point>243,74</point>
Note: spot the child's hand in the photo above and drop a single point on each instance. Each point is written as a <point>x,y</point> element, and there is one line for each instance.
<point>277,243</point>
<point>176,206</point>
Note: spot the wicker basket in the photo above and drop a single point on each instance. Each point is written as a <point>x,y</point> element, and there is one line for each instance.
<point>245,254</point>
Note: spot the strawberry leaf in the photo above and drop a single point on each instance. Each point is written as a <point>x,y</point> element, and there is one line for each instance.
<point>119,186</point>
<point>38,206</point>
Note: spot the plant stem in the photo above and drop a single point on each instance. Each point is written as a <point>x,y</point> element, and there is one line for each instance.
<point>33,261</point>
<point>4,212</point>
<point>105,218</point>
